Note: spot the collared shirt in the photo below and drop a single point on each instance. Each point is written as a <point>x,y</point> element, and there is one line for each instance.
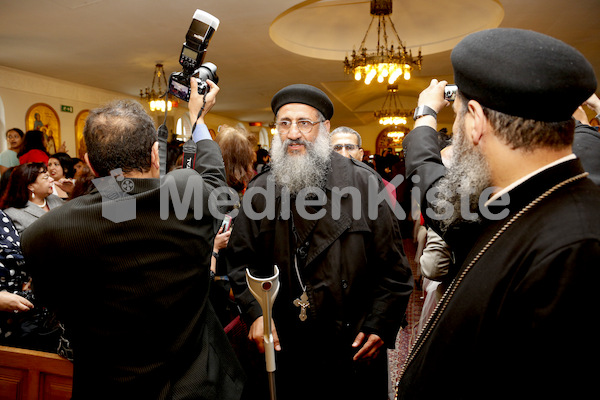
<point>526,177</point>
<point>201,133</point>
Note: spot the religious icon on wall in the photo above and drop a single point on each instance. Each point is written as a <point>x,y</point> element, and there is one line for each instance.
<point>81,148</point>
<point>43,118</point>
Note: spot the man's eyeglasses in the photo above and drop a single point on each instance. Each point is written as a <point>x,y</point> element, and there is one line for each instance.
<point>303,125</point>
<point>349,147</point>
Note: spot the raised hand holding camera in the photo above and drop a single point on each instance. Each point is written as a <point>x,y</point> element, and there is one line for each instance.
<point>200,104</point>
<point>193,51</point>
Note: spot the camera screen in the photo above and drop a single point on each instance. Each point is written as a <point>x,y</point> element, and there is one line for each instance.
<point>189,53</point>
<point>178,89</point>
<point>198,29</point>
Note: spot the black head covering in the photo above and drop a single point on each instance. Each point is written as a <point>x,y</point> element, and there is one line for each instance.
<point>523,73</point>
<point>304,94</point>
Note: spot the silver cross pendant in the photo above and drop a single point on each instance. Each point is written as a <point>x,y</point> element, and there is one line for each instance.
<point>303,303</point>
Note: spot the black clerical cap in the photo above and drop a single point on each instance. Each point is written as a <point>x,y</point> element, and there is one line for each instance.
<point>523,73</point>
<point>304,94</point>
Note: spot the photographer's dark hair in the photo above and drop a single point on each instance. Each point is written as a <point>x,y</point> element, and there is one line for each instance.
<point>119,135</point>
<point>17,193</point>
<point>66,162</point>
<point>33,140</point>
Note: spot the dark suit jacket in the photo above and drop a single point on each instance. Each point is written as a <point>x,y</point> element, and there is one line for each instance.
<point>134,294</point>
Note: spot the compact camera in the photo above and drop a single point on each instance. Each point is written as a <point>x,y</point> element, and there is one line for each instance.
<point>193,51</point>
<point>450,92</point>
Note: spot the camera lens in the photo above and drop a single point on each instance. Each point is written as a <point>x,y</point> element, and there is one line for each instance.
<point>208,71</point>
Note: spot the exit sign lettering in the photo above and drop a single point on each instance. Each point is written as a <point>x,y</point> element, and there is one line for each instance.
<point>68,109</point>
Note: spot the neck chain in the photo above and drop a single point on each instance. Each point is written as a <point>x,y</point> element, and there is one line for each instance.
<point>302,301</point>
<point>443,303</point>
<point>42,205</point>
<point>302,285</point>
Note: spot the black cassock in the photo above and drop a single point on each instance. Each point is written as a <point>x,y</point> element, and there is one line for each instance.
<point>518,321</point>
<point>356,276</point>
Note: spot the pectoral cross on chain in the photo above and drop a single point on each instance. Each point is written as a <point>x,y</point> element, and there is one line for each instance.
<point>303,303</point>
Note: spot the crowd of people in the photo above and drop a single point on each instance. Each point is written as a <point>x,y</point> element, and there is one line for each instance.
<point>161,307</point>
<point>32,183</point>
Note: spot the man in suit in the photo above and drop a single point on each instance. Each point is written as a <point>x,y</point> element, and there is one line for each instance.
<point>521,217</point>
<point>134,294</point>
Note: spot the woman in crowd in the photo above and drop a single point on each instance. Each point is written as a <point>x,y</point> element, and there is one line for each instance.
<point>29,195</point>
<point>262,159</point>
<point>78,165</point>
<point>83,180</point>
<point>238,152</point>
<point>238,157</point>
<point>60,169</point>
<point>23,322</point>
<point>8,158</point>
<point>34,148</point>
<point>4,180</point>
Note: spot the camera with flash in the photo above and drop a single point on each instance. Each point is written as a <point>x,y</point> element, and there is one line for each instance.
<point>194,48</point>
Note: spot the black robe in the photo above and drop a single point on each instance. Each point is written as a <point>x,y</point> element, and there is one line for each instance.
<point>517,323</point>
<point>357,278</point>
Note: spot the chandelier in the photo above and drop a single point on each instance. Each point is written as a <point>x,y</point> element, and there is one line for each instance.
<point>396,133</point>
<point>390,113</point>
<point>153,95</point>
<point>384,62</point>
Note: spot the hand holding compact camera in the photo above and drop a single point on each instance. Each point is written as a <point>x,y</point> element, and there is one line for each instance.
<point>450,92</point>
<point>202,28</point>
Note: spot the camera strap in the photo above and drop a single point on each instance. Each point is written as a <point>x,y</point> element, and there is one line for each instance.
<point>163,136</point>
<point>189,148</point>
<point>189,154</point>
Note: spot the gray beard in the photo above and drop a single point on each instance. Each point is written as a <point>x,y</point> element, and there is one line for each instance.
<point>298,171</point>
<point>468,175</point>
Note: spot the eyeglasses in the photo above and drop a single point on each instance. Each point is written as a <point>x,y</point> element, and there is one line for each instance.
<point>340,147</point>
<point>303,125</point>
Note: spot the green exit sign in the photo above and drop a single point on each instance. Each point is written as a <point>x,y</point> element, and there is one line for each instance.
<point>68,109</point>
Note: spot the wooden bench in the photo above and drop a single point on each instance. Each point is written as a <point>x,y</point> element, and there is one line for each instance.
<point>30,375</point>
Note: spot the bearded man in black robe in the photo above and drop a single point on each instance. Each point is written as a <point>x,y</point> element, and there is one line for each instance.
<point>339,254</point>
<point>522,218</point>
